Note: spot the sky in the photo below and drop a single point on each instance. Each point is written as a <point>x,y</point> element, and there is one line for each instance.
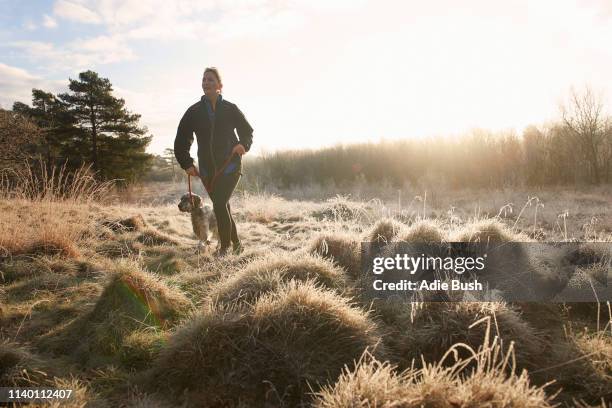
<point>314,73</point>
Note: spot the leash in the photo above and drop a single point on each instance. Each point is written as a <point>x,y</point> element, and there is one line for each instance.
<point>190,194</point>
<point>210,185</point>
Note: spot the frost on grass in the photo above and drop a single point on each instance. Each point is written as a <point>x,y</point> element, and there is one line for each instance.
<point>291,339</point>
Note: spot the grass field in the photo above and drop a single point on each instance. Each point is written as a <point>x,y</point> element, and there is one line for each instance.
<point>113,300</point>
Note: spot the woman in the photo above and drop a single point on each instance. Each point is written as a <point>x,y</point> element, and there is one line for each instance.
<point>213,119</point>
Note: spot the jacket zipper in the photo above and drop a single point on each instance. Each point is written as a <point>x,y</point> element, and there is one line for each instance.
<point>212,136</point>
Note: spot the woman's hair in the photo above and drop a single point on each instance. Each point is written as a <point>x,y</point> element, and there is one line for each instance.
<point>216,73</point>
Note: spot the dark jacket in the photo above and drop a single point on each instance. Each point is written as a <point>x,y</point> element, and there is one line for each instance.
<point>212,153</point>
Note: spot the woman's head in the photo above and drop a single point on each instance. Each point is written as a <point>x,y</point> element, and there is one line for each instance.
<point>211,81</point>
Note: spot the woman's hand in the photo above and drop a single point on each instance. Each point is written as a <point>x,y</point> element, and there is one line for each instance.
<point>238,149</point>
<point>193,171</point>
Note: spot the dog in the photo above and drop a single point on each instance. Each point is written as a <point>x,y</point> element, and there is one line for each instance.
<point>202,218</point>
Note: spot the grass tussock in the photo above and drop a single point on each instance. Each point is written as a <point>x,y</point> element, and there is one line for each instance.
<point>341,208</point>
<point>128,224</point>
<point>383,232</point>
<point>375,384</point>
<point>291,338</point>
<point>430,329</point>
<point>167,263</point>
<point>153,237</point>
<point>340,248</point>
<point>23,268</point>
<point>19,367</point>
<point>51,243</point>
<point>267,208</point>
<point>131,301</point>
<point>140,296</point>
<point>423,231</point>
<point>587,356</point>
<point>488,230</point>
<point>268,274</point>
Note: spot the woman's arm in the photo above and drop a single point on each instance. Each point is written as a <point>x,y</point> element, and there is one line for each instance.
<point>244,129</point>
<point>183,141</point>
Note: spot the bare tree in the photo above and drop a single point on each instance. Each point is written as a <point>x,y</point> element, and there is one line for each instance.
<point>20,140</point>
<point>590,128</point>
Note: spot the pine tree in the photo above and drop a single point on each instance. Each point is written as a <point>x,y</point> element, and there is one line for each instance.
<point>117,143</point>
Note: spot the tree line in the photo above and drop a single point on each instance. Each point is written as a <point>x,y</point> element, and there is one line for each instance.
<point>574,150</point>
<point>90,126</point>
<point>87,125</point>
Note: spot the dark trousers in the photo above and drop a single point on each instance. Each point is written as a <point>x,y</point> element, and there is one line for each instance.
<point>222,191</point>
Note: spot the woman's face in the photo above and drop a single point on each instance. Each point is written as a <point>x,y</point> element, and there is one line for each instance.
<point>210,84</point>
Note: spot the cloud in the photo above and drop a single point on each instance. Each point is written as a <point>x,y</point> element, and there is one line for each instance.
<point>49,21</point>
<point>74,11</point>
<point>102,49</point>
<point>78,54</point>
<point>192,19</point>
<point>29,25</point>
<point>16,85</point>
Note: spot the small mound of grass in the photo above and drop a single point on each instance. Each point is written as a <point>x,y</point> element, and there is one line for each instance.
<point>423,231</point>
<point>587,356</point>
<point>341,249</point>
<point>430,329</point>
<point>268,274</point>
<point>133,223</point>
<point>152,237</point>
<point>132,300</point>
<point>29,277</point>
<point>590,253</point>
<point>340,208</point>
<point>376,384</point>
<point>167,263</point>
<point>383,232</point>
<point>117,248</point>
<point>485,231</point>
<point>19,367</point>
<point>51,244</point>
<point>297,337</point>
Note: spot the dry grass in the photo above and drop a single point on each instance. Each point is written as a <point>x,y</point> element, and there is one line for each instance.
<point>423,231</point>
<point>267,274</point>
<point>383,232</point>
<point>340,248</point>
<point>41,227</point>
<point>485,231</point>
<point>290,339</point>
<point>429,329</point>
<point>132,223</point>
<point>100,298</point>
<point>34,182</point>
<point>486,383</point>
<point>132,302</point>
<point>19,367</point>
